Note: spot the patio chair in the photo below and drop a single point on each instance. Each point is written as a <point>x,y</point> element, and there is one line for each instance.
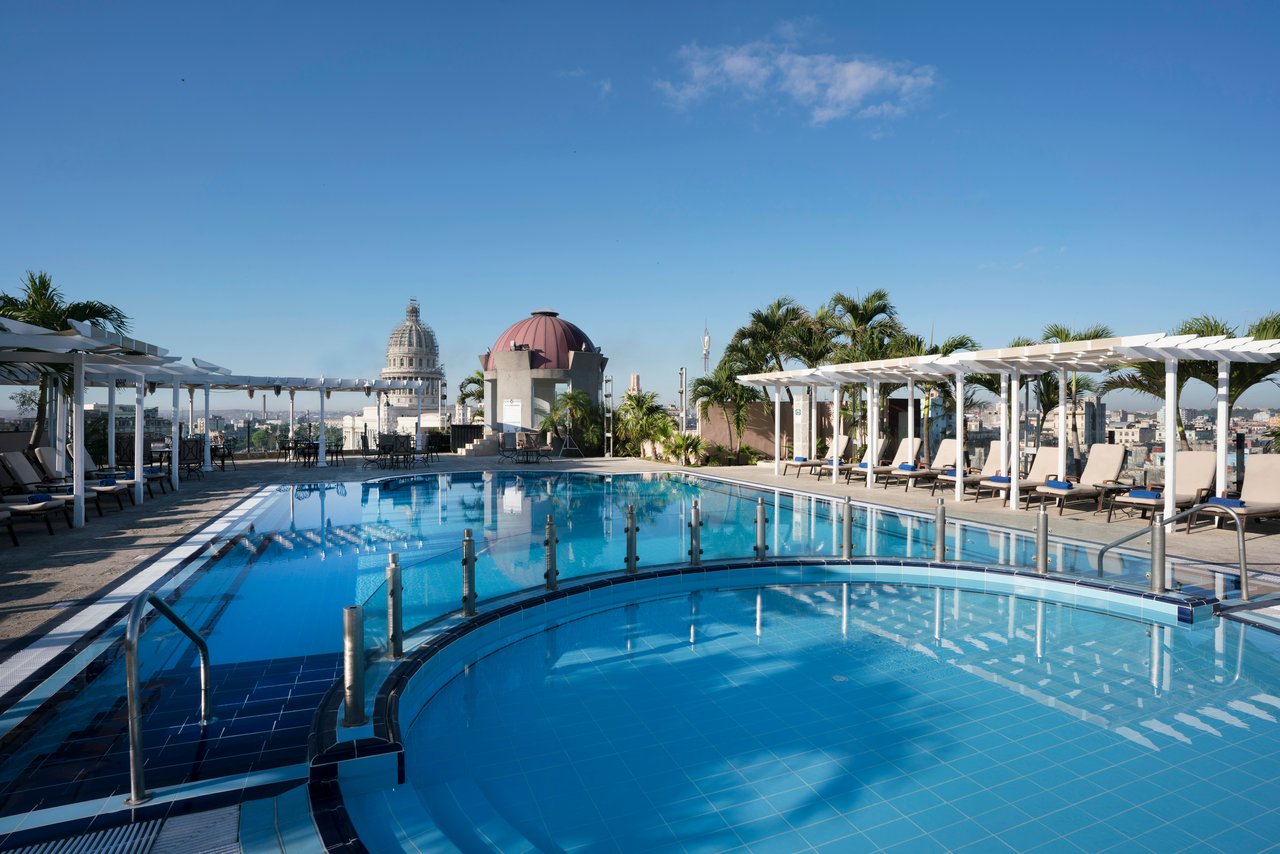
<point>816,466</point>
<point>369,455</point>
<point>944,459</point>
<point>1197,471</point>
<point>335,454</point>
<point>869,462</point>
<point>1043,468</point>
<point>972,477</point>
<point>507,445</point>
<point>1259,497</point>
<point>28,500</point>
<point>191,456</point>
<point>1103,467</point>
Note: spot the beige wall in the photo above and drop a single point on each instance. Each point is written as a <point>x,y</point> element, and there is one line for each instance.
<point>759,432</point>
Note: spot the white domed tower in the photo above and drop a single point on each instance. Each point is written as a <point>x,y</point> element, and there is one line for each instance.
<point>412,354</point>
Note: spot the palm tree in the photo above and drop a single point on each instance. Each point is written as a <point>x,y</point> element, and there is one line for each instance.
<point>722,388</point>
<point>763,343</point>
<point>571,410</point>
<point>1057,333</point>
<point>1244,375</point>
<point>42,304</point>
<point>471,388</point>
<point>865,326</point>
<point>641,419</point>
<point>907,344</point>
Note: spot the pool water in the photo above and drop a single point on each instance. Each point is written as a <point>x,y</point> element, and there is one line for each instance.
<point>854,717</point>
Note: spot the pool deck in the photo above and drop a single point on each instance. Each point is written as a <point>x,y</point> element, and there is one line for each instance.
<point>47,578</point>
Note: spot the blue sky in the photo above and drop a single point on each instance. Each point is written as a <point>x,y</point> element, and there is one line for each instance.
<point>264,185</point>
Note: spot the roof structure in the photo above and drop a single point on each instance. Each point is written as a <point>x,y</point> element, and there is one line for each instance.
<point>550,337</point>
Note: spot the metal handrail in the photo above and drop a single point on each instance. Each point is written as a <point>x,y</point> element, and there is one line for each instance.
<point>1159,522</point>
<point>138,793</point>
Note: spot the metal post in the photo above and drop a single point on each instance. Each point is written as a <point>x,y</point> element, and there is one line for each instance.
<point>1042,540</point>
<point>353,665</point>
<point>762,549</point>
<point>633,560</point>
<point>1157,555</point>
<point>695,534</point>
<point>846,537</point>
<point>552,575</point>
<point>468,574</point>
<point>940,532</point>
<point>395,608</point>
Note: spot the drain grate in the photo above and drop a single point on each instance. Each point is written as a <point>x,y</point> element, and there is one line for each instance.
<point>127,839</point>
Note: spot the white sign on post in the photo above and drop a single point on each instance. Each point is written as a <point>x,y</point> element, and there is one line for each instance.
<point>512,410</point>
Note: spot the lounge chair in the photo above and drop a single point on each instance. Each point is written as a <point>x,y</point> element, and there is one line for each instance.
<point>1103,467</point>
<point>34,482</point>
<point>970,476</point>
<point>869,461</point>
<point>801,464</point>
<point>1259,497</point>
<point>908,451</point>
<point>1196,473</point>
<point>944,459</point>
<point>1043,468</point>
<point>30,503</point>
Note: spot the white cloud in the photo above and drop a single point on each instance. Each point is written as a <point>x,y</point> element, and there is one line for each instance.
<point>828,86</point>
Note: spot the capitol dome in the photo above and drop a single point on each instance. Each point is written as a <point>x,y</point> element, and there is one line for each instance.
<point>412,344</point>
<point>548,337</point>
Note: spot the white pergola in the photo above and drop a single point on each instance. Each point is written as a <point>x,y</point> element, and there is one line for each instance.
<point>100,358</point>
<point>1013,363</point>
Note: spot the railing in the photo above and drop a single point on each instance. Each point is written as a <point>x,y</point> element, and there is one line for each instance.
<point>1162,577</point>
<point>138,793</point>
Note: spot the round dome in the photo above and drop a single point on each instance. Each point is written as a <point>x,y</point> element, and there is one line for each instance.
<point>549,337</point>
<point>412,339</point>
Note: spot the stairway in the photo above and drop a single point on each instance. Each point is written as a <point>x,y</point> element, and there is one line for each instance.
<point>484,447</point>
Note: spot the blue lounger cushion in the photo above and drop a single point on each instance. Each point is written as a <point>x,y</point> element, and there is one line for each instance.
<point>1143,493</point>
<point>1226,502</point>
<point>153,470</point>
<point>801,460</point>
<point>949,472</point>
<point>39,498</point>
<point>107,481</point>
<point>1000,478</point>
<point>862,465</point>
<point>906,467</point>
<point>1058,484</point>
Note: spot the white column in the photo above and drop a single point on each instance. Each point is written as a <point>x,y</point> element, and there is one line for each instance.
<point>873,431</point>
<point>111,423</point>
<point>911,414</point>
<point>1015,464</point>
<point>1223,425</point>
<point>1062,424</point>
<point>320,461</point>
<point>139,447</point>
<point>292,392</point>
<point>1170,439</point>
<point>813,422</point>
<point>417,433</point>
<point>191,410</point>
<point>77,438</point>
<point>835,433</point>
<point>60,435</point>
<point>960,458</point>
<point>777,430</point>
<point>1004,424</point>
<point>175,438</point>
<point>208,449</point>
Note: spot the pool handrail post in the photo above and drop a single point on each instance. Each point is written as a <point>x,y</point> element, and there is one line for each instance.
<point>940,532</point>
<point>846,539</point>
<point>1158,572</point>
<point>353,666</point>
<point>138,793</point>
<point>762,522</point>
<point>395,608</point>
<point>695,534</point>
<point>633,560</point>
<point>552,574</point>
<point>1042,540</point>
<point>468,574</point>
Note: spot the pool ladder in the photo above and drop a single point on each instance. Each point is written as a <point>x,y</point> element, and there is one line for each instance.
<point>1161,578</point>
<point>138,793</point>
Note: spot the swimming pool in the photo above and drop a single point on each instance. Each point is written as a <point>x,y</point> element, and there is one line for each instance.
<point>269,590</point>
<point>861,716</point>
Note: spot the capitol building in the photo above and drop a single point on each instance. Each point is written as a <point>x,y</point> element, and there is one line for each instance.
<point>412,354</point>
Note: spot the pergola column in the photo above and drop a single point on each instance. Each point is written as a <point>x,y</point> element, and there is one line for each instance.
<point>911,414</point>
<point>191,409</point>
<point>960,457</point>
<point>208,447</point>
<point>292,393</point>
<point>1223,428</point>
<point>835,433</point>
<point>77,432</point>
<point>1170,439</point>
<point>1062,424</point>
<point>60,435</point>
<point>1015,465</point>
<point>320,460</point>
<point>813,422</point>
<point>139,419</point>
<point>417,431</point>
<point>175,440</point>
<point>873,431</point>
<point>1004,424</point>
<point>777,430</point>
<point>111,423</point>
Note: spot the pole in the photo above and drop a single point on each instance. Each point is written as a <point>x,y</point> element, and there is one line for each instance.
<point>1062,424</point>
<point>175,437</point>
<point>111,424</point>
<point>835,433</point>
<point>77,439</point>
<point>468,574</point>
<point>1042,540</point>
<point>940,533</point>
<point>695,534</point>
<point>208,447</point>
<point>552,575</point>
<point>960,455</point>
<point>1222,426</point>
<point>777,430</point>
<point>762,548</point>
<point>1015,459</point>
<point>1170,439</point>
<point>846,538</point>
<point>1157,555</point>
<point>395,608</point>
<point>320,448</point>
<point>1004,424</point>
<point>633,560</point>
<point>353,665</point>
<point>139,419</point>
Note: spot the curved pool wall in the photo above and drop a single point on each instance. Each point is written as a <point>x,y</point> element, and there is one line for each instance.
<point>357,791</point>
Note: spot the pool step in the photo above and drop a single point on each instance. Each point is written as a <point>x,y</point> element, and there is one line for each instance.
<point>469,818</point>
<point>280,825</point>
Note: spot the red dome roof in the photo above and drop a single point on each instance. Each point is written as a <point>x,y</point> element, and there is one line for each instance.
<point>550,338</point>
